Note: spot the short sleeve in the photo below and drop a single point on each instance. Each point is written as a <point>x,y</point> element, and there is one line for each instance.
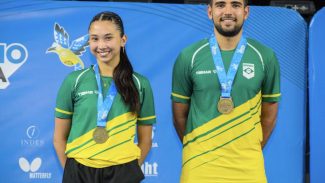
<point>147,108</point>
<point>64,100</point>
<point>271,84</point>
<point>181,81</point>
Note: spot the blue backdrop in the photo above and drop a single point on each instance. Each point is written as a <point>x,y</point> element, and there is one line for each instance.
<point>316,97</point>
<point>30,78</point>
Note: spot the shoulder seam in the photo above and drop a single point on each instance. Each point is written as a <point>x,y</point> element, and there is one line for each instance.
<point>197,52</point>
<point>138,81</point>
<point>77,80</point>
<point>258,53</point>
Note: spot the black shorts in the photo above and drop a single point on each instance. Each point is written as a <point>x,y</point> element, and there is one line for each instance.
<point>75,172</point>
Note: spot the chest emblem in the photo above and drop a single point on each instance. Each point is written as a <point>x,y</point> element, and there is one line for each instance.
<point>248,70</point>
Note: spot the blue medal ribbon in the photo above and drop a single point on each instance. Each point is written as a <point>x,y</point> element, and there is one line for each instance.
<point>103,106</point>
<point>226,79</point>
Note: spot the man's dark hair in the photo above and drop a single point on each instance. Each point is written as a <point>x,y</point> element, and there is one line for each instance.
<point>245,2</point>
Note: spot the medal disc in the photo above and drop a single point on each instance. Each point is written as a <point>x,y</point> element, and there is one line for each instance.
<point>100,135</point>
<point>225,105</point>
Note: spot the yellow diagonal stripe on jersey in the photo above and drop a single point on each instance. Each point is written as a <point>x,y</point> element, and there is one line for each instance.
<point>88,137</point>
<point>200,145</point>
<point>239,112</point>
<point>208,155</point>
<point>112,132</point>
<point>111,143</point>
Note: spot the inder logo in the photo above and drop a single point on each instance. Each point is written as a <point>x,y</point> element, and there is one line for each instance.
<point>12,56</point>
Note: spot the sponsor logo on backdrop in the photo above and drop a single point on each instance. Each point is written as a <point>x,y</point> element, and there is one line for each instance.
<point>32,168</point>
<point>150,169</point>
<point>69,54</point>
<point>12,57</point>
<point>154,143</point>
<point>248,70</point>
<point>32,137</point>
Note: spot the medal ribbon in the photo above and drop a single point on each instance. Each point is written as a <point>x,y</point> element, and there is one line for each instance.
<point>104,106</point>
<point>226,79</point>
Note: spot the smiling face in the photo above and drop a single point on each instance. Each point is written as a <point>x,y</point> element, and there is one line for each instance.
<point>105,41</point>
<point>228,16</point>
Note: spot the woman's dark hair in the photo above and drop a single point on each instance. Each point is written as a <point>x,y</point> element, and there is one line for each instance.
<point>123,72</point>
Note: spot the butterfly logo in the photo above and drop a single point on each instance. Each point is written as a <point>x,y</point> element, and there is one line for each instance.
<point>30,167</point>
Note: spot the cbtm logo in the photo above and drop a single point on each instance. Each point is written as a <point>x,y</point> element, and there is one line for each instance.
<point>12,57</point>
<point>32,168</point>
<point>68,53</point>
<point>32,140</point>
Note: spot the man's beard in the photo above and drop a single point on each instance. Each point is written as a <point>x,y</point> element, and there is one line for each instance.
<point>228,33</point>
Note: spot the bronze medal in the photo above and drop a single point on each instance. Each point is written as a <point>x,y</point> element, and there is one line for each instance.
<point>100,135</point>
<point>225,105</point>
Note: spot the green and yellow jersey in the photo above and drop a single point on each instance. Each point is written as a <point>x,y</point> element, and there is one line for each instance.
<point>224,148</point>
<point>77,100</point>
